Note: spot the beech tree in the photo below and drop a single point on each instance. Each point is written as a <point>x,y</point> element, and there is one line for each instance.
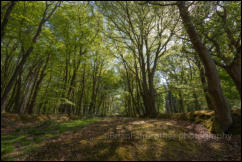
<point>137,59</point>
<point>146,33</point>
<point>28,51</point>
<point>222,109</point>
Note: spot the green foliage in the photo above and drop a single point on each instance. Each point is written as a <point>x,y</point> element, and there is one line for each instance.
<point>96,58</point>
<point>230,90</point>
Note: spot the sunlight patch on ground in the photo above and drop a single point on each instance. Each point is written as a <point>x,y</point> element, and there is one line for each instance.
<point>121,139</point>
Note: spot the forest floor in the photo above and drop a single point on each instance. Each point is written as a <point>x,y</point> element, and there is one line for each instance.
<point>116,138</point>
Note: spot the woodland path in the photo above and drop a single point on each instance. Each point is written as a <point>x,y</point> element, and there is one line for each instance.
<point>138,139</point>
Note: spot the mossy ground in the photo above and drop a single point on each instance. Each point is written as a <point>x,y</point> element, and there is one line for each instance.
<point>207,119</point>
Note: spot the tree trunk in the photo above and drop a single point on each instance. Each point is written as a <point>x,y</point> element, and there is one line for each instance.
<point>33,100</point>
<point>36,90</point>
<point>19,67</point>
<point>6,17</point>
<point>43,99</point>
<point>222,109</point>
<point>12,98</point>
<point>234,70</point>
<point>27,92</point>
<point>82,91</point>
<point>149,103</point>
<point>196,102</point>
<point>17,96</point>
<point>181,102</point>
<point>205,89</point>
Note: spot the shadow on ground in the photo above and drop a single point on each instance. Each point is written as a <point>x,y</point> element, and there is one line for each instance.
<point>138,139</point>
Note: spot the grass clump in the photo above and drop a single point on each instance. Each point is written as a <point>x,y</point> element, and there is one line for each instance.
<point>38,139</point>
<point>73,125</point>
<point>30,148</point>
<point>12,138</point>
<point>8,142</point>
<point>6,149</point>
<point>52,127</point>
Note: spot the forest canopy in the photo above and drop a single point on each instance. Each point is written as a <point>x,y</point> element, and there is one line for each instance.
<point>136,59</point>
